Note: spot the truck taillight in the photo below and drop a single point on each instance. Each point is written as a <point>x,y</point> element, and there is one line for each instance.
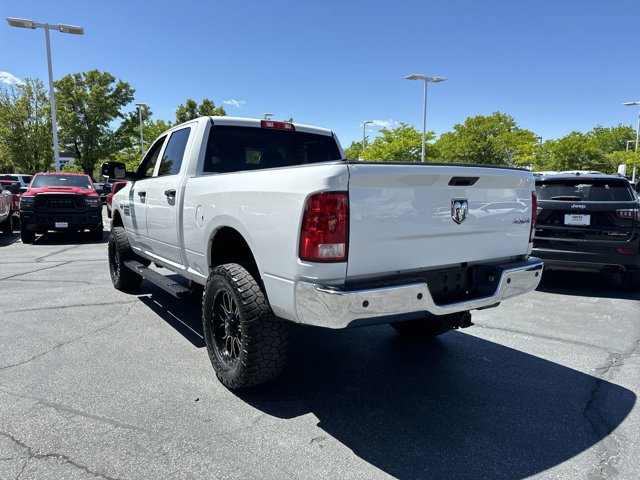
<point>534,215</point>
<point>325,226</point>
<point>277,125</point>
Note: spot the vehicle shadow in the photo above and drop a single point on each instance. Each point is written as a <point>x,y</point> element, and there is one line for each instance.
<point>68,238</point>
<point>184,315</point>
<point>585,284</point>
<point>9,239</point>
<point>456,407</point>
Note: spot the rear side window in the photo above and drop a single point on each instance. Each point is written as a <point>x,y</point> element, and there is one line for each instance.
<point>586,190</point>
<point>174,153</point>
<point>233,149</point>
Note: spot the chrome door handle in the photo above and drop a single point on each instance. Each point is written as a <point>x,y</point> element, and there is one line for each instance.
<point>170,192</point>
<point>142,194</point>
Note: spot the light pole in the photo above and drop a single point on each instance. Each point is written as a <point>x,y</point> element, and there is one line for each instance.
<point>24,23</point>
<point>364,134</point>
<point>418,76</point>
<point>629,104</point>
<point>140,105</point>
<point>628,142</point>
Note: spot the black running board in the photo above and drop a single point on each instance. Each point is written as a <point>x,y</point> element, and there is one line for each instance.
<point>165,283</point>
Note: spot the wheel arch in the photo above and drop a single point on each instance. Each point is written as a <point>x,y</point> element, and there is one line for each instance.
<point>116,218</point>
<point>228,245</point>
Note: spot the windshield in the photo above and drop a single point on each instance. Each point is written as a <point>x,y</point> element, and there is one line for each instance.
<point>232,149</point>
<point>581,189</point>
<point>82,181</point>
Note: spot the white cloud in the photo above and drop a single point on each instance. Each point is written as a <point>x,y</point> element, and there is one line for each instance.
<point>235,103</point>
<point>384,123</point>
<point>9,79</point>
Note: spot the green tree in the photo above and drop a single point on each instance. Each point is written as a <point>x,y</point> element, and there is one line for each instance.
<point>191,110</point>
<point>87,104</point>
<point>575,151</point>
<point>612,139</point>
<point>492,140</point>
<point>353,151</point>
<point>400,144</point>
<point>151,129</point>
<point>26,143</point>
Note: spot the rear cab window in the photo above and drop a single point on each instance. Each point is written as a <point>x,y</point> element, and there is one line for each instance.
<point>584,190</point>
<point>234,148</point>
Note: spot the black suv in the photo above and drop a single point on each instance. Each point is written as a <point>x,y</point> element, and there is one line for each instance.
<point>589,223</point>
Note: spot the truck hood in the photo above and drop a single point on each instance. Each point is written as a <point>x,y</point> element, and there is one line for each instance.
<point>87,192</point>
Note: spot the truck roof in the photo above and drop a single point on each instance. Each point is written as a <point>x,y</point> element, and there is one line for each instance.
<point>68,174</point>
<point>257,123</point>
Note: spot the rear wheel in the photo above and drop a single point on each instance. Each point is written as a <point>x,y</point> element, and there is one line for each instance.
<point>631,280</point>
<point>27,236</point>
<point>119,252</point>
<point>422,328</point>
<point>247,344</point>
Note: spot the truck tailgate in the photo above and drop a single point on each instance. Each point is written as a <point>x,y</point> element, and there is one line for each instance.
<point>402,216</point>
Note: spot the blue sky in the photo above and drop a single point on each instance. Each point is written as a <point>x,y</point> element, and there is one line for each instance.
<point>555,66</point>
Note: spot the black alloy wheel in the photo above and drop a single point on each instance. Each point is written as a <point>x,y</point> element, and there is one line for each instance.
<point>246,342</point>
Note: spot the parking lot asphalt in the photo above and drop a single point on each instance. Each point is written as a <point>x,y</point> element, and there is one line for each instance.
<point>96,383</point>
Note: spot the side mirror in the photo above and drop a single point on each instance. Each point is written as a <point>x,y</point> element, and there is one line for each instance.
<point>115,170</point>
<point>23,189</point>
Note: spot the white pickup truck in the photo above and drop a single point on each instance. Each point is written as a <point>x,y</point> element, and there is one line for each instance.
<point>279,228</point>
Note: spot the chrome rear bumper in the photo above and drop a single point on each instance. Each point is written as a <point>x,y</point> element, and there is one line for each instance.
<point>327,306</point>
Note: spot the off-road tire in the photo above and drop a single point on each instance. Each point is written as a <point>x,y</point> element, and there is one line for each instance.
<point>422,328</point>
<point>249,346</point>
<point>27,236</point>
<point>631,280</point>
<point>119,252</point>
<point>7,226</point>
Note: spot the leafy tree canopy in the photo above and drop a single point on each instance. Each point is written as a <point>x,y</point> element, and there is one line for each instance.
<point>493,140</point>
<point>87,105</point>
<point>400,144</point>
<point>26,143</point>
<point>191,110</point>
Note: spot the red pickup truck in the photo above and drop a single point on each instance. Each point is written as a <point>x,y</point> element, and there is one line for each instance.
<point>62,202</point>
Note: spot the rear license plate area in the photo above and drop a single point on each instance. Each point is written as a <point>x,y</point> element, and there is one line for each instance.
<point>571,219</point>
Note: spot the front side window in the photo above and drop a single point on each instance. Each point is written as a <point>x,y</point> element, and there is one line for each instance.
<point>173,154</point>
<point>145,170</point>
<point>233,149</point>
<point>82,181</point>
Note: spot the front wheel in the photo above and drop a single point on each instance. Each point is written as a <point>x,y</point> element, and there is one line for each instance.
<point>246,343</point>
<point>119,252</point>
<point>27,236</point>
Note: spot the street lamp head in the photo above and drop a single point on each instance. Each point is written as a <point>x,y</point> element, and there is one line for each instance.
<point>415,76</point>
<point>267,115</point>
<point>435,79</point>
<point>628,104</point>
<point>72,29</point>
<point>21,22</point>
<point>366,122</point>
<point>142,105</point>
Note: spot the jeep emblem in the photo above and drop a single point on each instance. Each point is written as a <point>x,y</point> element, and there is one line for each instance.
<point>459,209</point>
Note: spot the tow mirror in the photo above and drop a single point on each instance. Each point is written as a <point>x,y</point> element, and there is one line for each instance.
<point>115,170</point>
